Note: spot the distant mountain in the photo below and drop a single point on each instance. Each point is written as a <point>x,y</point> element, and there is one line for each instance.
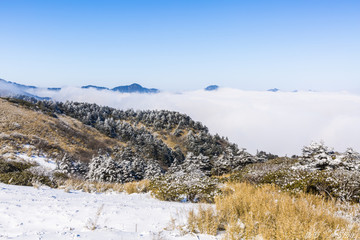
<point>212,88</point>
<point>13,84</point>
<point>95,87</point>
<point>273,90</point>
<point>135,88</point>
<point>293,91</point>
<point>11,89</point>
<point>54,89</point>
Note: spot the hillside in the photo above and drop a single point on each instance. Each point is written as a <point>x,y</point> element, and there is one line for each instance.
<point>33,132</point>
<point>82,138</point>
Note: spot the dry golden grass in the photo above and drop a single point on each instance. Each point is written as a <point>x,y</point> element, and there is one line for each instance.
<point>166,136</point>
<point>137,187</point>
<point>249,212</point>
<point>92,223</point>
<point>170,141</point>
<point>19,125</point>
<point>87,186</point>
<point>204,221</point>
<point>173,141</point>
<point>224,176</point>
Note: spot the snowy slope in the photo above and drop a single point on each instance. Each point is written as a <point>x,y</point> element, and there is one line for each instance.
<point>45,213</point>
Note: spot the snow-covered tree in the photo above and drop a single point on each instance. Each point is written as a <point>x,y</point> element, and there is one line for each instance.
<point>187,181</point>
<point>351,159</point>
<point>103,169</point>
<point>317,156</point>
<point>70,166</point>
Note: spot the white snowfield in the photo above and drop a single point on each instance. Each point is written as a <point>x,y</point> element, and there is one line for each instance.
<point>45,213</point>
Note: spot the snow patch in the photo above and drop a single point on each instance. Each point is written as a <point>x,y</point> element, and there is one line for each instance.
<point>46,163</point>
<point>45,213</point>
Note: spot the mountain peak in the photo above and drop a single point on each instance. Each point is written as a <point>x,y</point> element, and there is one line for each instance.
<point>134,88</point>
<point>212,88</point>
<point>273,90</point>
<point>96,87</point>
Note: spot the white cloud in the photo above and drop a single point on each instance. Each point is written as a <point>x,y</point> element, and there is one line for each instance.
<point>281,122</point>
<point>7,89</point>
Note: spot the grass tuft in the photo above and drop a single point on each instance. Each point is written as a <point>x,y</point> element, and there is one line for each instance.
<point>247,212</point>
<point>87,186</point>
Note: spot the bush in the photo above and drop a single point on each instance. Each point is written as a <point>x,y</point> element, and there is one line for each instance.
<point>188,181</point>
<point>11,166</point>
<point>17,173</point>
<point>339,184</point>
<point>317,156</point>
<point>254,173</point>
<point>184,187</point>
<point>60,176</point>
<point>333,183</point>
<point>25,178</point>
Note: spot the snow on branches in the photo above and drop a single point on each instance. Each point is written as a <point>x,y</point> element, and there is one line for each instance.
<point>317,156</point>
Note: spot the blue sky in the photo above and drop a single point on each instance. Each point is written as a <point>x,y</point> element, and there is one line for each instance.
<point>182,45</point>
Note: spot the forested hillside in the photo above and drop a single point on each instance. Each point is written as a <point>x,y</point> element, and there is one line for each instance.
<point>107,144</point>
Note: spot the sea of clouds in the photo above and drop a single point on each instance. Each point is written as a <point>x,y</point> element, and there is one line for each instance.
<point>280,123</point>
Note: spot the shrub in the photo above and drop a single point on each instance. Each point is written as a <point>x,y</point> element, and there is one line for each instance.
<point>60,176</point>
<point>317,156</point>
<point>17,173</point>
<point>25,178</point>
<point>254,173</point>
<point>12,166</point>
<point>336,183</point>
<point>184,187</point>
<point>105,168</point>
<point>188,181</point>
<point>339,184</point>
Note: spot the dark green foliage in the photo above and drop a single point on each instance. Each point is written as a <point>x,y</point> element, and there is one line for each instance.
<point>205,144</point>
<point>254,173</point>
<point>184,188</point>
<point>25,178</point>
<point>265,155</point>
<point>187,181</point>
<point>17,173</point>
<point>22,102</point>
<point>339,184</point>
<point>6,166</point>
<point>60,176</point>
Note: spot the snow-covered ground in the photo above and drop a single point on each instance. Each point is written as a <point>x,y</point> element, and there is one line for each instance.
<point>46,163</point>
<point>45,213</point>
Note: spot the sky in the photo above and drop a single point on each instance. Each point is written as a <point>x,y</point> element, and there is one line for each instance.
<point>182,45</point>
